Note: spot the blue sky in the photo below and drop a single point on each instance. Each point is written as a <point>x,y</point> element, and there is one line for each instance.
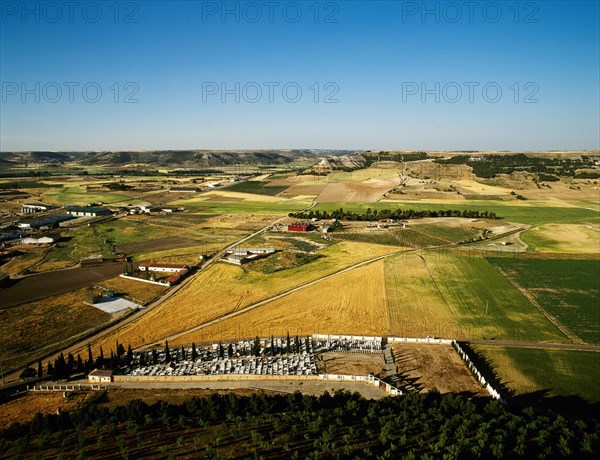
<point>369,75</point>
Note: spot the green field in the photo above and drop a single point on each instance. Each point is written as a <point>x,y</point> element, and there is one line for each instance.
<point>257,187</point>
<point>105,237</point>
<point>528,212</point>
<point>568,289</point>
<point>560,372</point>
<point>417,236</point>
<point>78,195</point>
<point>443,294</point>
<point>273,207</point>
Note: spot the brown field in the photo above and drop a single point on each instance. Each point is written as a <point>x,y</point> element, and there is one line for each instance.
<point>225,288</point>
<point>304,189</point>
<point>240,221</point>
<point>368,191</point>
<point>23,263</point>
<point>159,244</point>
<point>33,329</point>
<point>350,303</point>
<point>36,287</point>
<point>138,291</point>
<point>24,408</point>
<point>428,366</point>
<point>351,364</point>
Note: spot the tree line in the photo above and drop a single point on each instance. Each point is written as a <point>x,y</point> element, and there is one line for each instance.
<point>374,214</point>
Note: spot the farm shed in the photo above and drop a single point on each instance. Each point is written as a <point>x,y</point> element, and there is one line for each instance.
<point>162,267</point>
<point>44,239</point>
<point>87,211</point>
<point>299,227</point>
<point>43,221</point>
<point>33,208</point>
<point>100,376</point>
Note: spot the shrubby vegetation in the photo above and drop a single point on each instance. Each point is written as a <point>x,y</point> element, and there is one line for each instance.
<point>374,214</point>
<point>331,426</point>
<point>372,157</point>
<point>547,169</point>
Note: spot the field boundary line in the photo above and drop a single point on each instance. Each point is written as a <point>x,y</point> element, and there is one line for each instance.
<point>268,300</point>
<point>531,298</point>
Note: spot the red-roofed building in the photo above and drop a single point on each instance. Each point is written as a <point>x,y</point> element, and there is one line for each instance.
<point>298,227</point>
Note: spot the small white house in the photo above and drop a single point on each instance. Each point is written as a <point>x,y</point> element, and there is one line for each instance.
<point>100,376</point>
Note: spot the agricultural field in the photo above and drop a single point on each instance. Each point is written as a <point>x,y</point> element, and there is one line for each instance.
<point>525,212</point>
<point>442,294</point>
<point>225,288</point>
<point>351,302</point>
<point>78,194</point>
<point>143,237</point>
<point>23,409</point>
<point>559,372</point>
<point>31,330</point>
<point>564,238</point>
<point>420,233</point>
<point>136,291</point>
<point>567,289</point>
<point>367,191</point>
<point>224,202</point>
<point>257,187</point>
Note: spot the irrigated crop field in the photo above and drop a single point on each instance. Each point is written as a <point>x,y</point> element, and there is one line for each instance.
<point>567,289</point>
<point>560,372</point>
<point>442,294</point>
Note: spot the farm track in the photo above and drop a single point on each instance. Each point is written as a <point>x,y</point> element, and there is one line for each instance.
<point>554,346</point>
<point>291,291</point>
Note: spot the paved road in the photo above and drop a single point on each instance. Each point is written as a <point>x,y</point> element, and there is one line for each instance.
<point>557,346</point>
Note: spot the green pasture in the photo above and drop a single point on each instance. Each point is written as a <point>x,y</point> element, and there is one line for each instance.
<point>568,289</point>
<point>559,372</point>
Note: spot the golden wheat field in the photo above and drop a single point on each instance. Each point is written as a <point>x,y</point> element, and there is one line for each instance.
<point>351,303</point>
<point>224,288</point>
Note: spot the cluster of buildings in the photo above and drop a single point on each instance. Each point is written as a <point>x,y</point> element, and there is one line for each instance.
<point>177,273</point>
<point>239,256</point>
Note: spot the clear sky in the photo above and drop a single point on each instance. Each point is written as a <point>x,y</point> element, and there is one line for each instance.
<point>142,75</point>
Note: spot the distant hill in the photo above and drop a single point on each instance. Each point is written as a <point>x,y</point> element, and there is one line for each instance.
<point>173,158</point>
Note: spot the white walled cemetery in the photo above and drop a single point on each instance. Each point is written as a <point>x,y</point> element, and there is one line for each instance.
<point>276,357</point>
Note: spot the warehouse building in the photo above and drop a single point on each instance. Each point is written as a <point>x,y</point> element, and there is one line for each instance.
<point>299,227</point>
<point>87,211</point>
